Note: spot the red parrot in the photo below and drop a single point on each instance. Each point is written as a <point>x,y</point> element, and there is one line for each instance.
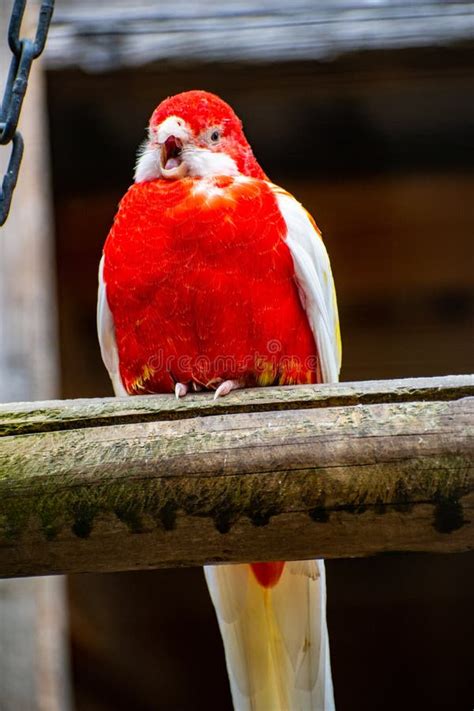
<point>214,278</point>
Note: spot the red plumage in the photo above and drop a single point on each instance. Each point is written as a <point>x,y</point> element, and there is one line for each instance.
<point>201,286</point>
<point>268,574</point>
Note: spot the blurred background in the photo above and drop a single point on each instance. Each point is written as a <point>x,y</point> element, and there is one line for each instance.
<point>364,110</point>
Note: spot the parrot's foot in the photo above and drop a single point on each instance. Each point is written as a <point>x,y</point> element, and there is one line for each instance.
<point>180,390</point>
<point>224,388</point>
<point>227,386</point>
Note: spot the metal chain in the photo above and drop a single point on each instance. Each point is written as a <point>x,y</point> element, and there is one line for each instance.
<point>24,51</point>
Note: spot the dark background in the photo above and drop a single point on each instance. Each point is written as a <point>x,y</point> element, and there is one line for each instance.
<point>376,147</point>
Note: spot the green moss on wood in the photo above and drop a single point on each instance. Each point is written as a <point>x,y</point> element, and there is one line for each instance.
<point>79,414</point>
<point>153,501</point>
<point>69,481</point>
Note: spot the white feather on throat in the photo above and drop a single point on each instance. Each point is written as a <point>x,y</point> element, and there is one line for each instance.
<point>199,162</point>
<point>148,165</point>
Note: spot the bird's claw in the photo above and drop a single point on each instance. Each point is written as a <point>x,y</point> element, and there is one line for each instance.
<point>180,390</point>
<point>226,387</point>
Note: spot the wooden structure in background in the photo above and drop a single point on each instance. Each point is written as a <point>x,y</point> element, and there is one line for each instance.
<point>267,474</point>
<point>106,36</point>
<point>34,670</point>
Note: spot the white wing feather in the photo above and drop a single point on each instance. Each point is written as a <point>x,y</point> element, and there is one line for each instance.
<point>276,640</point>
<point>106,332</point>
<point>315,282</point>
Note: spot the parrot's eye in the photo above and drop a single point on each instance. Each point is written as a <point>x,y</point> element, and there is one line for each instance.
<point>215,135</point>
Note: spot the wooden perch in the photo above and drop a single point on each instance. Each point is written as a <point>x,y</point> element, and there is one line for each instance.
<point>272,473</point>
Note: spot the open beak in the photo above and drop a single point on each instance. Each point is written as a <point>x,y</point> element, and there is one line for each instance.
<point>172,165</point>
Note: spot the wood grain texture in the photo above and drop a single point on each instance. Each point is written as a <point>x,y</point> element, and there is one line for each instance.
<point>23,418</point>
<point>104,36</point>
<point>281,473</point>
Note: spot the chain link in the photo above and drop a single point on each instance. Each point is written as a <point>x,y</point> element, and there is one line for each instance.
<point>24,51</point>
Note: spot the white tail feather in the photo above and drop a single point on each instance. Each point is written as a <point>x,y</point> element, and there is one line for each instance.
<point>275,639</point>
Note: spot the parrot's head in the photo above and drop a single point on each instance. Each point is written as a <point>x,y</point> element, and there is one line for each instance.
<point>195,134</point>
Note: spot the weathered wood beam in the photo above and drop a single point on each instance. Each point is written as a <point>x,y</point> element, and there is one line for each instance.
<point>276,473</point>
